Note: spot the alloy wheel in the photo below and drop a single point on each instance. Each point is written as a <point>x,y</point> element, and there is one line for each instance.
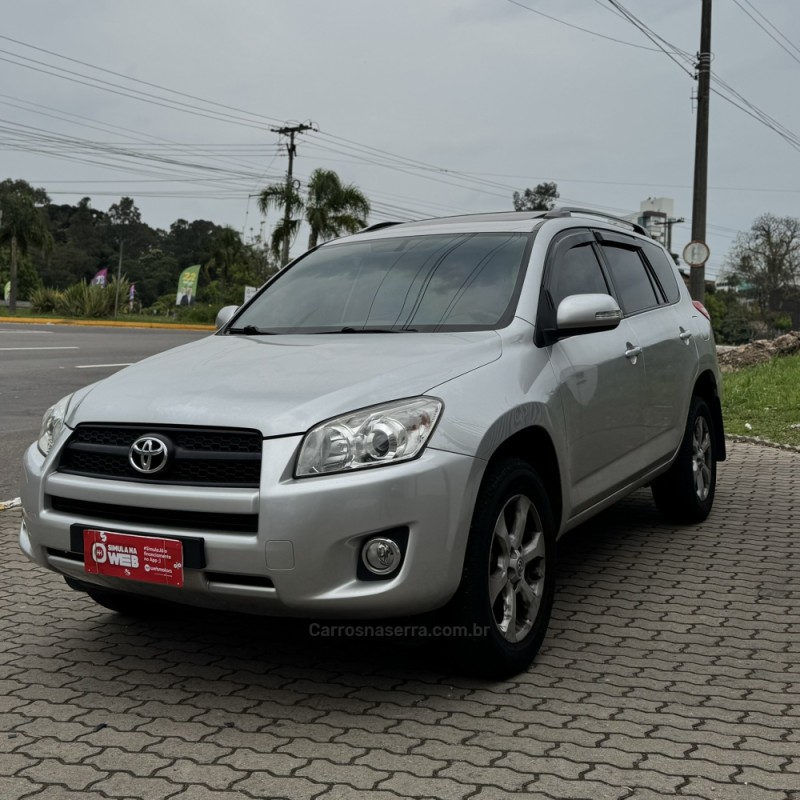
<point>516,568</point>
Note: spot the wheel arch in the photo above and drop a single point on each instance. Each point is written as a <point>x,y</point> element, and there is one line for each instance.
<point>534,446</point>
<point>706,387</point>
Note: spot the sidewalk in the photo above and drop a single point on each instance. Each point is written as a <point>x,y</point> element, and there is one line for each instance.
<point>671,669</point>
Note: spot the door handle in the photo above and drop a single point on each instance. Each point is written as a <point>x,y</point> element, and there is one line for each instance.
<point>632,352</point>
<point>686,335</point>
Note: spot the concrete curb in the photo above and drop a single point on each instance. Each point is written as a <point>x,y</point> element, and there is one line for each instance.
<point>734,437</point>
<point>106,323</point>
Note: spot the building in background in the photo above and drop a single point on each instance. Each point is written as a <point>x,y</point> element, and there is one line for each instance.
<point>657,216</point>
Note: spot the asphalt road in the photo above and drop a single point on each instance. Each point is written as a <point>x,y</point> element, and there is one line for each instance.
<point>41,363</point>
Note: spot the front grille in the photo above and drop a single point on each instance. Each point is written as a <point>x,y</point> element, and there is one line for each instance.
<point>158,517</point>
<point>197,456</point>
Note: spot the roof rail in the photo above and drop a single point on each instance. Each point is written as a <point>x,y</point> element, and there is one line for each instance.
<point>378,225</point>
<point>568,211</point>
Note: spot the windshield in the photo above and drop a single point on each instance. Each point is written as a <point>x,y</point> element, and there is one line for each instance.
<point>443,282</point>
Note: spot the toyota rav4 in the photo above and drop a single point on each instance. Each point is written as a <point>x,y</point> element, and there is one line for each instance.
<point>401,421</point>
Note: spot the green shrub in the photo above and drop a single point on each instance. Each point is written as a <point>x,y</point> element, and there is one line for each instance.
<point>71,301</point>
<point>198,314</point>
<point>45,299</point>
<point>93,302</point>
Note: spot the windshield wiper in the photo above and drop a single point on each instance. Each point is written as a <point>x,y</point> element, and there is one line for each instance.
<point>251,330</point>
<point>349,329</point>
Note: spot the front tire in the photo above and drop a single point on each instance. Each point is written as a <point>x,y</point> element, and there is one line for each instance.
<point>504,601</point>
<point>685,494</point>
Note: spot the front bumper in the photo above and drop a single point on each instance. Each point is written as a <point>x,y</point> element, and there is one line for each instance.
<point>302,557</point>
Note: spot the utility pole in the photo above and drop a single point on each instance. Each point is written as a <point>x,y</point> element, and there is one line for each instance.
<point>290,131</point>
<point>697,276</point>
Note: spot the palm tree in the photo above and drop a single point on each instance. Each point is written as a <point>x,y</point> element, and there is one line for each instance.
<point>279,195</point>
<point>227,253</point>
<point>22,225</point>
<point>331,208</point>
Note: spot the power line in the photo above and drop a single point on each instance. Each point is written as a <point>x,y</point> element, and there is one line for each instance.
<point>578,27</point>
<point>767,31</point>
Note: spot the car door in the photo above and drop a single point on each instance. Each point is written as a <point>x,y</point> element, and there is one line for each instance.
<point>600,377</point>
<point>649,302</point>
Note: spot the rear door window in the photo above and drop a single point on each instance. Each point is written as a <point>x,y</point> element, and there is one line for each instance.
<point>634,288</point>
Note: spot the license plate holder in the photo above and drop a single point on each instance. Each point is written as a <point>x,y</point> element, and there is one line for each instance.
<point>146,559</point>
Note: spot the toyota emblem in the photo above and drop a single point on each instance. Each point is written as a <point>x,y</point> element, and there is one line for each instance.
<point>148,455</point>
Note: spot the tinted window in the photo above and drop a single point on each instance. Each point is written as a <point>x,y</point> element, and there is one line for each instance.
<point>576,272</point>
<point>664,270</point>
<point>442,282</point>
<point>629,275</point>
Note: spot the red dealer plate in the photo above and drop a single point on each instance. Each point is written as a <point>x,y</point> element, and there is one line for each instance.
<point>135,558</point>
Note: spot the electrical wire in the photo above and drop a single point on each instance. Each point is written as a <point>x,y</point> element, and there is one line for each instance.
<point>766,30</point>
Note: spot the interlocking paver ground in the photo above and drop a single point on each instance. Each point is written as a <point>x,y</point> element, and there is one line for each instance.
<point>671,669</point>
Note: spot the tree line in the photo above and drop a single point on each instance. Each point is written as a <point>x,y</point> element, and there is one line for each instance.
<point>45,244</point>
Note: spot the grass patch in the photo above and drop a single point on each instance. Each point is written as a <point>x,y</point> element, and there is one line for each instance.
<point>767,397</point>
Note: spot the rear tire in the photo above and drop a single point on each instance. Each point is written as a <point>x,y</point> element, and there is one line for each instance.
<point>685,494</point>
<point>504,601</point>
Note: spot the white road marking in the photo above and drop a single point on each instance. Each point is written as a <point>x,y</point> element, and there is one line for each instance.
<point>102,366</point>
<point>72,347</point>
<point>27,332</point>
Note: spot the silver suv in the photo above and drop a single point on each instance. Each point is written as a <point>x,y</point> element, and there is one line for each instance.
<point>401,421</point>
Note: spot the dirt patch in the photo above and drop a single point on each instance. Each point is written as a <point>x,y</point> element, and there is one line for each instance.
<point>759,351</point>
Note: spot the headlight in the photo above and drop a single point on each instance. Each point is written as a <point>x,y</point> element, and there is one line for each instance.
<point>52,423</point>
<point>368,438</point>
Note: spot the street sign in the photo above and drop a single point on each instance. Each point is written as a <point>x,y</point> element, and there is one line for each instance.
<point>695,254</point>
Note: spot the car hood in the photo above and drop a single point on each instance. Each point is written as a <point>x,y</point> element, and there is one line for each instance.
<point>280,385</point>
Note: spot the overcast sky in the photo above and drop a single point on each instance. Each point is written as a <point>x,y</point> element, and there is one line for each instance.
<point>430,106</point>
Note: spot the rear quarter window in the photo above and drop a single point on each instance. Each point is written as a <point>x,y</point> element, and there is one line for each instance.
<point>664,270</point>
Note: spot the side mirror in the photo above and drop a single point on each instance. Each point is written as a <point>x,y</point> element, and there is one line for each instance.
<point>224,315</point>
<point>587,313</point>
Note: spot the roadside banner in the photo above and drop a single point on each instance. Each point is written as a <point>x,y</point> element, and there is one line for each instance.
<point>131,295</point>
<point>100,278</point>
<point>7,290</point>
<point>249,291</point>
<point>187,286</point>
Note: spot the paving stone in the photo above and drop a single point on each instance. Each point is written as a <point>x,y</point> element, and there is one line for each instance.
<point>359,776</point>
<point>349,793</point>
<point>16,787</point>
<point>392,742</point>
<point>74,776</point>
<point>215,776</point>
<point>336,752</point>
<point>67,752</point>
<point>257,761</point>
<point>113,759</point>
<point>122,785</point>
<point>553,786</point>
<point>11,763</point>
<point>262,784</point>
<point>383,760</point>
<point>706,788</point>
<point>407,785</point>
<point>195,792</point>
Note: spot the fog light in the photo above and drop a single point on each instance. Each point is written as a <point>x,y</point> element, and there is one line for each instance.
<point>380,556</point>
